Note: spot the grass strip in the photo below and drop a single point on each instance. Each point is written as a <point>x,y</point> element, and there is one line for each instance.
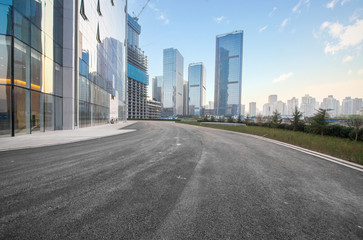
<point>342,148</point>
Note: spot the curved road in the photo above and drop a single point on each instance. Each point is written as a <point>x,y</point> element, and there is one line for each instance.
<point>174,181</point>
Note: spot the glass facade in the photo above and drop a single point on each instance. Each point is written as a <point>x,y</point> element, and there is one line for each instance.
<point>41,91</point>
<point>33,29</point>
<point>173,77</point>
<point>101,53</point>
<point>228,77</point>
<point>197,88</point>
<point>158,88</point>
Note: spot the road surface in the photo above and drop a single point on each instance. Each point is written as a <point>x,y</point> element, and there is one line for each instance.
<point>174,181</point>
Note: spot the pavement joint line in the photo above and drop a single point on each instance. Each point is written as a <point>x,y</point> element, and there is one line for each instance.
<point>300,149</point>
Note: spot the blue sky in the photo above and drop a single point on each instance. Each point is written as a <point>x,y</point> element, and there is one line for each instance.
<point>291,47</point>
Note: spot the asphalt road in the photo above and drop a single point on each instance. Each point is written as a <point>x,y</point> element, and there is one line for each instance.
<point>175,181</point>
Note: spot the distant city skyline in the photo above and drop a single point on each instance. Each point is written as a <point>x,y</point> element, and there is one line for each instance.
<point>291,48</point>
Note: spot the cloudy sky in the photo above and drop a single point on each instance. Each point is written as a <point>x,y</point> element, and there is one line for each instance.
<point>291,48</point>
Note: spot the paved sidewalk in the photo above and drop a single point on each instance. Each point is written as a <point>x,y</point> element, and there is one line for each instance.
<point>40,139</point>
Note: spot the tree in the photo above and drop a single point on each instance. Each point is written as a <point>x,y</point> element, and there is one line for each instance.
<point>259,119</point>
<point>247,119</point>
<point>355,122</point>
<point>239,120</point>
<point>221,119</point>
<point>212,119</point>
<point>296,122</point>
<point>319,121</point>
<point>230,119</point>
<point>205,119</point>
<point>276,119</point>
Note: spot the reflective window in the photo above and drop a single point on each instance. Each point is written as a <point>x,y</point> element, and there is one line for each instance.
<point>5,19</point>
<point>48,81</point>
<point>36,12</point>
<point>36,70</point>
<point>23,6</point>
<point>5,60</point>
<point>49,112</point>
<point>8,2</point>
<point>58,113</point>
<point>4,110</point>
<point>35,121</point>
<point>21,27</point>
<point>36,38</point>
<point>58,80</point>
<point>21,64</point>
<point>20,113</point>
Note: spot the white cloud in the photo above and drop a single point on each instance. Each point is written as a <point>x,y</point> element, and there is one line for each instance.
<point>332,4</point>
<point>357,13</point>
<point>360,72</point>
<point>160,15</point>
<point>344,2</point>
<point>350,72</point>
<point>263,28</point>
<point>219,19</point>
<point>272,12</point>
<point>347,59</point>
<point>297,6</point>
<point>282,77</point>
<point>343,37</point>
<point>284,23</point>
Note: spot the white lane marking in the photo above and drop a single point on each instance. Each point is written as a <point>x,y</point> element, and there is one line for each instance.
<point>304,150</point>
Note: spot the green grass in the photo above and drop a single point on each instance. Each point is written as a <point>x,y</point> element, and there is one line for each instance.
<point>337,147</point>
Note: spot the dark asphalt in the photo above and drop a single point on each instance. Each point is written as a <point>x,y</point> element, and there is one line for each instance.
<point>175,181</point>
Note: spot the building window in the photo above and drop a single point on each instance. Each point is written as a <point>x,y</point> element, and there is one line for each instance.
<point>82,12</point>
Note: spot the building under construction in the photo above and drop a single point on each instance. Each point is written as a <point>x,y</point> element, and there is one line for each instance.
<point>138,78</point>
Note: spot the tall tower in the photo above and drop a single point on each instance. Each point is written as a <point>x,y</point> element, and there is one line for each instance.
<point>228,73</point>
<point>137,76</point>
<point>197,88</point>
<point>173,69</point>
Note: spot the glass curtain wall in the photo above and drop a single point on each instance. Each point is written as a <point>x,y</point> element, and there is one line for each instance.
<point>101,53</point>
<point>33,29</point>
<point>228,78</point>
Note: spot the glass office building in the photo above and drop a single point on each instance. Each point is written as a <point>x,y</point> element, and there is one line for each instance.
<point>158,88</point>
<point>197,88</point>
<point>62,65</point>
<point>228,73</point>
<point>173,71</point>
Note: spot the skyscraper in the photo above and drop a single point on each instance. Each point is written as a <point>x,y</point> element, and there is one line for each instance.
<point>291,105</point>
<point>308,105</point>
<point>173,71</point>
<point>137,76</point>
<point>185,98</point>
<point>158,88</point>
<point>228,73</point>
<point>332,105</point>
<point>197,88</point>
<point>68,64</point>
<point>252,109</point>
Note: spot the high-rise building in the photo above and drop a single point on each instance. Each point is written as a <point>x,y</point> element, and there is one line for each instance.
<point>173,77</point>
<point>292,104</point>
<point>185,98</point>
<point>272,99</point>
<point>307,106</point>
<point>137,76</point>
<point>252,109</point>
<point>228,73</point>
<point>243,109</point>
<point>68,63</point>
<point>157,91</point>
<point>280,107</point>
<point>332,105</point>
<point>197,88</point>
<point>357,105</point>
<point>347,106</point>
